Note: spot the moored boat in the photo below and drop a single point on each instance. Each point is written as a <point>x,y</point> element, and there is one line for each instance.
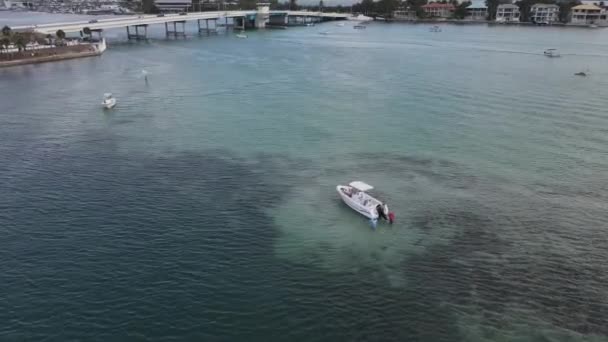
<point>108,101</point>
<point>356,197</point>
<point>551,53</point>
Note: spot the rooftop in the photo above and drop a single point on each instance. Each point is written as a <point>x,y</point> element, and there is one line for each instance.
<point>438,5</point>
<point>545,5</point>
<point>478,4</point>
<point>508,6</point>
<point>586,7</point>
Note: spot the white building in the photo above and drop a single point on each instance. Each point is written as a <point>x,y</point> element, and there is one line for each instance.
<point>477,10</point>
<point>172,5</point>
<point>507,13</point>
<point>588,15</point>
<point>544,13</point>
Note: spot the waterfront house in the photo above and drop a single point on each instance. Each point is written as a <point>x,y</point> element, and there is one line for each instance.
<point>438,10</point>
<point>404,14</point>
<point>506,13</point>
<point>588,15</point>
<point>544,13</point>
<point>477,10</point>
<point>599,3</point>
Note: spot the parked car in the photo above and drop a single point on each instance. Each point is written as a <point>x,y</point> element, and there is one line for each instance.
<point>92,21</point>
<point>161,15</point>
<point>183,13</point>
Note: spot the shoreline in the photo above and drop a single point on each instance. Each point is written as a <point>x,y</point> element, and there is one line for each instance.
<point>482,22</point>
<point>45,59</point>
<point>56,54</point>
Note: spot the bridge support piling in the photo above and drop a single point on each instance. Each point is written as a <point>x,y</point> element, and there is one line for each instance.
<point>137,35</point>
<point>175,32</point>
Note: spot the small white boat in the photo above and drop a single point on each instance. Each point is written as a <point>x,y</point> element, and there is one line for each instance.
<point>108,101</point>
<point>356,197</point>
<point>552,53</point>
<point>340,24</point>
<point>241,35</point>
<point>435,29</point>
<point>361,17</point>
<point>310,24</point>
<point>324,33</point>
<point>593,26</point>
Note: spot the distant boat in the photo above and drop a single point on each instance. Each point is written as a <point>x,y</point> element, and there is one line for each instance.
<point>241,35</point>
<point>108,101</point>
<point>324,33</point>
<point>581,73</point>
<point>340,24</point>
<point>551,53</point>
<point>360,17</point>
<point>435,29</point>
<point>359,27</point>
<point>593,26</point>
<point>310,24</point>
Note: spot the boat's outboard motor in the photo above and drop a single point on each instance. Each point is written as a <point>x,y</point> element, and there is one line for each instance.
<point>380,211</point>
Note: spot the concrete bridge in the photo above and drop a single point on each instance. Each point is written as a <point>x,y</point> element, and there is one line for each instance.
<point>252,18</point>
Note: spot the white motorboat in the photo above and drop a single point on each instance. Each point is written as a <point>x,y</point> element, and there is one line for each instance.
<point>108,101</point>
<point>356,197</point>
<point>435,29</point>
<point>552,53</point>
<point>241,35</point>
<point>361,18</point>
<point>340,24</point>
<point>324,33</point>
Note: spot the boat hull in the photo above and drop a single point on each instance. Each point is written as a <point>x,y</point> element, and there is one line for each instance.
<point>109,104</point>
<point>368,210</point>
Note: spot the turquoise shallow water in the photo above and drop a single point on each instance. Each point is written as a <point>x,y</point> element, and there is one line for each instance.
<point>204,208</point>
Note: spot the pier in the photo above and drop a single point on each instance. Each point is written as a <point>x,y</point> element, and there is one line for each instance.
<point>137,26</point>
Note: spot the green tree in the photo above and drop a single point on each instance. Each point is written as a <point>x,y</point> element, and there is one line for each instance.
<point>5,42</point>
<point>461,10</point>
<point>416,6</point>
<point>386,7</point>
<point>367,6</point>
<point>293,5</point>
<point>60,34</point>
<point>19,41</point>
<point>564,10</point>
<point>148,6</point>
<point>492,7</point>
<point>6,31</point>
<point>247,4</point>
<point>320,5</point>
<point>88,32</point>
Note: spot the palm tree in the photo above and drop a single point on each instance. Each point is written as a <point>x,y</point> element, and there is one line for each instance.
<point>6,31</point>
<point>60,35</point>
<point>88,32</point>
<point>19,41</point>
